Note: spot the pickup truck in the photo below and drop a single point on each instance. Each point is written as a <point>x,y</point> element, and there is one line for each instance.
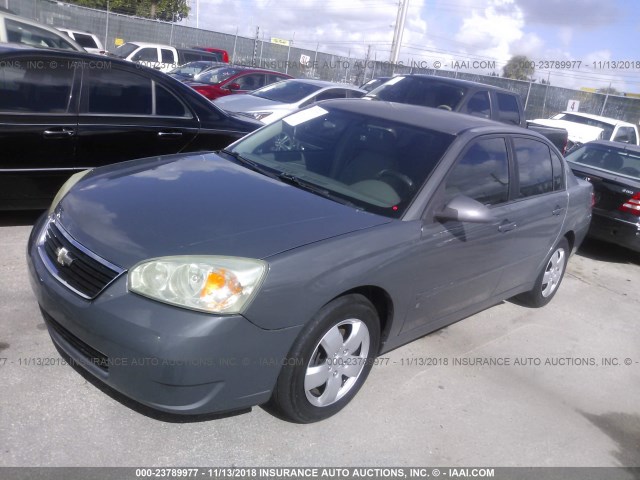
<point>462,96</point>
<point>584,127</point>
<point>163,57</point>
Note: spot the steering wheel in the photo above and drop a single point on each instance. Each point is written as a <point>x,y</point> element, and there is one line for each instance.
<point>404,180</point>
<point>283,142</point>
<point>444,107</point>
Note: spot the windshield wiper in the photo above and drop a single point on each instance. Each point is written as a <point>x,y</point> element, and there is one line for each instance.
<point>255,166</point>
<point>313,188</point>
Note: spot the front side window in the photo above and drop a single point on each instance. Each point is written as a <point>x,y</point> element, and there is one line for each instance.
<point>146,54</point>
<point>251,81</point>
<point>368,162</point>
<point>290,91</point>
<point>508,111</point>
<point>427,92</point>
<point>482,173</point>
<point>36,86</point>
<point>535,171</point>
<point>479,105</point>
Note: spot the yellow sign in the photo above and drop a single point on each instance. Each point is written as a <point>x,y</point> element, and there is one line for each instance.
<point>280,41</point>
<point>119,41</point>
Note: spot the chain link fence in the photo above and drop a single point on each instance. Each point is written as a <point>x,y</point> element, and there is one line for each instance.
<point>540,100</point>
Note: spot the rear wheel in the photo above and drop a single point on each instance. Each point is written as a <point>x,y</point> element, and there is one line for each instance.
<point>549,278</point>
<point>329,361</point>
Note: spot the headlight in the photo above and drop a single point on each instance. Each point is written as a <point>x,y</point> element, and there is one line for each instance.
<point>206,283</point>
<point>73,179</point>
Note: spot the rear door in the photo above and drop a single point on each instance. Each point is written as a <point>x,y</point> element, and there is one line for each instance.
<point>38,127</point>
<point>537,209</point>
<point>125,114</point>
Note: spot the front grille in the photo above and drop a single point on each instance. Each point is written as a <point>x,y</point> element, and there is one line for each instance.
<point>92,355</point>
<point>79,269</point>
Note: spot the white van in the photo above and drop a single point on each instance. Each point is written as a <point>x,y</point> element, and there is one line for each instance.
<point>90,42</point>
<point>17,29</point>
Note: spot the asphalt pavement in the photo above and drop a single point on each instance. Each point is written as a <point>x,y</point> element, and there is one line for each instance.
<point>510,386</point>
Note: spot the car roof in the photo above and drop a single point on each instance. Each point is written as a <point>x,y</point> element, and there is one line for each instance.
<point>424,117</point>
<point>11,48</point>
<point>64,29</point>
<point>616,146</point>
<point>246,68</point>
<point>609,120</point>
<point>321,83</point>
<point>457,81</point>
<point>150,44</point>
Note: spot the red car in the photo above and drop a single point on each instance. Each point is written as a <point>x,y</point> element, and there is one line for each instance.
<point>223,53</point>
<point>220,81</point>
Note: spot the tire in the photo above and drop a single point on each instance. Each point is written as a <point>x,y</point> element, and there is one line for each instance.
<point>549,278</point>
<point>329,361</point>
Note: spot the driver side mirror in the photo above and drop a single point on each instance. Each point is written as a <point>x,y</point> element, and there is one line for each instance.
<point>233,86</point>
<point>464,209</point>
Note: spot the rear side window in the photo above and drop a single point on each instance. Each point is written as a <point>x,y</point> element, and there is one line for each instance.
<point>167,105</point>
<point>332,93</point>
<point>35,85</point>
<point>482,173</point>
<point>117,92</point>
<point>535,171</point>
<point>558,172</point>
<point>508,111</point>
<point>84,40</point>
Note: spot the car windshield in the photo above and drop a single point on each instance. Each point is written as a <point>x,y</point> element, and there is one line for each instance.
<point>123,51</point>
<point>216,75</point>
<point>288,91</point>
<point>610,159</point>
<point>191,69</point>
<point>369,162</point>
<point>607,128</point>
<point>422,91</point>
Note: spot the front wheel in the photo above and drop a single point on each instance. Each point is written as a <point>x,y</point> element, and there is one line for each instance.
<point>549,277</point>
<point>329,361</point>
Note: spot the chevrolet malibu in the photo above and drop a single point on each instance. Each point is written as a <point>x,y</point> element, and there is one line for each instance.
<point>276,270</point>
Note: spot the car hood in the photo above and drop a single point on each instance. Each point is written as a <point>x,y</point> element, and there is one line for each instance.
<point>198,204</point>
<point>577,132</point>
<point>248,102</point>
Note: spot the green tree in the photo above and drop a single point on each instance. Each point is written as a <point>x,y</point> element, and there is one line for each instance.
<point>609,91</point>
<point>519,67</point>
<point>167,10</point>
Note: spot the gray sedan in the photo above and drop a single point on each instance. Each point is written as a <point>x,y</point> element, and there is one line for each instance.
<point>276,271</point>
<point>275,101</point>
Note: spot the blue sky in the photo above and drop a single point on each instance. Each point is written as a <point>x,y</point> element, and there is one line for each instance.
<point>455,30</point>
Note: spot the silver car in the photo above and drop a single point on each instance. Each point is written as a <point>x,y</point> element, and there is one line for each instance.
<point>275,101</point>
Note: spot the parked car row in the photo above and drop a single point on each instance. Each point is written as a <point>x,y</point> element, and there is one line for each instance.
<point>66,111</point>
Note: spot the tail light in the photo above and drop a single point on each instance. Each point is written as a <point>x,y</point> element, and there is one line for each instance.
<point>593,199</point>
<point>632,205</point>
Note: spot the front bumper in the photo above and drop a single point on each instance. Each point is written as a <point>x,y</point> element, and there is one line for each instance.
<point>615,230</point>
<point>168,358</point>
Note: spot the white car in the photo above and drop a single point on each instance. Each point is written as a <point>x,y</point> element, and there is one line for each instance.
<point>277,100</point>
<point>585,127</point>
<point>90,42</point>
<point>17,29</point>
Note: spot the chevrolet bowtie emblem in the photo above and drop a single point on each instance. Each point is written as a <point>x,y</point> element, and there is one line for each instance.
<point>64,258</point>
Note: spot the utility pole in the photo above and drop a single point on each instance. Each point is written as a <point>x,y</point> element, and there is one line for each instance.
<point>255,47</point>
<point>398,32</point>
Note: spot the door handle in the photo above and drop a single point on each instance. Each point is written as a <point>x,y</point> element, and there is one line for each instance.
<point>169,134</point>
<point>507,226</point>
<point>58,132</point>
<point>557,210</point>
